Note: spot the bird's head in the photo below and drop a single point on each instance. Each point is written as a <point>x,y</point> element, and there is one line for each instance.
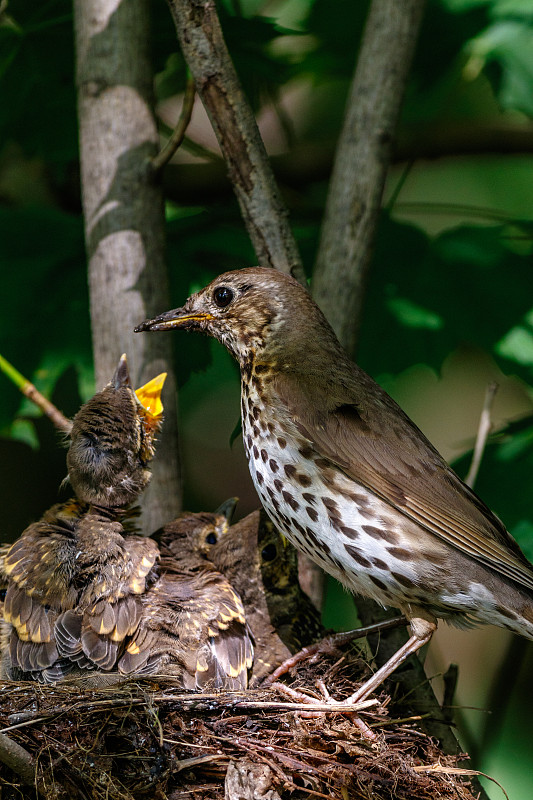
<point>112,441</point>
<point>257,312</point>
<point>196,533</point>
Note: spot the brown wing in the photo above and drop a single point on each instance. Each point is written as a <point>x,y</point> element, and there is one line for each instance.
<point>362,431</point>
<point>73,596</point>
<point>94,634</point>
<point>193,624</point>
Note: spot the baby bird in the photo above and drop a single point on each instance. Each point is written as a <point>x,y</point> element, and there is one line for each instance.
<point>74,580</point>
<point>193,623</point>
<point>261,566</point>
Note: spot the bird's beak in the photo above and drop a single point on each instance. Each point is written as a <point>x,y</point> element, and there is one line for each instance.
<point>122,374</point>
<point>177,318</point>
<point>149,395</point>
<point>227,509</point>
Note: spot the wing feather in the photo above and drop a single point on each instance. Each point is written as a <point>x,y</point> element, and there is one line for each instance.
<point>360,430</point>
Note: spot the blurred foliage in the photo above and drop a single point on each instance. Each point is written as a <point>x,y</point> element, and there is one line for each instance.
<point>469,283</point>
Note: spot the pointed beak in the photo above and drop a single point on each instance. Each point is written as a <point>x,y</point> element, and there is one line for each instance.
<point>177,318</point>
<point>227,509</point>
<point>149,395</point>
<point>122,374</point>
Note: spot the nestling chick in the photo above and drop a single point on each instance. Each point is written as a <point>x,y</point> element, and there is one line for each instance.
<point>75,580</point>
<point>193,623</point>
<point>262,567</point>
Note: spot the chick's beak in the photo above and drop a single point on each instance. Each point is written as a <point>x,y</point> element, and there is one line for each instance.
<point>177,318</point>
<point>122,375</point>
<point>149,395</point>
<point>227,509</point>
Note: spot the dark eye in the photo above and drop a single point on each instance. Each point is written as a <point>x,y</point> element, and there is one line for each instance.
<point>211,538</point>
<point>269,552</point>
<point>223,296</point>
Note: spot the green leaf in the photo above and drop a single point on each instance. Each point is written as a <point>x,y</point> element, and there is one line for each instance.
<point>412,315</point>
<point>508,44</point>
<point>236,432</point>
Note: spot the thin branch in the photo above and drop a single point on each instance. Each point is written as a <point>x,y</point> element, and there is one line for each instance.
<point>28,390</point>
<point>308,162</point>
<point>178,134</point>
<point>266,218</point>
<point>485,426</point>
<point>329,643</point>
<point>361,163</point>
<point>14,756</point>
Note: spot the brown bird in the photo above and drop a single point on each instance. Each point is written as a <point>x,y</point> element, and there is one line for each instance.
<point>258,560</point>
<point>261,566</point>
<point>347,476</point>
<point>74,579</point>
<point>193,622</point>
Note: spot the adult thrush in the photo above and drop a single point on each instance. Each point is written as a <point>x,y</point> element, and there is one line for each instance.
<point>74,579</point>
<point>347,476</point>
<point>192,624</point>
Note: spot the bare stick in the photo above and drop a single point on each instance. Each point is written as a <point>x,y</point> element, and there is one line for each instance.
<point>485,426</point>
<point>263,210</point>
<point>17,759</point>
<point>178,135</point>
<point>28,390</point>
<point>329,643</point>
<point>361,163</point>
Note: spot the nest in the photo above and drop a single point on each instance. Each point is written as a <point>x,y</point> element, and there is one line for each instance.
<point>148,740</point>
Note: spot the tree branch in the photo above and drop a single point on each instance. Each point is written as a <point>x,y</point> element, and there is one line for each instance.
<point>485,425</point>
<point>124,215</point>
<point>264,213</point>
<point>17,758</point>
<point>32,393</point>
<point>361,163</point>
<point>178,134</point>
<point>308,162</point>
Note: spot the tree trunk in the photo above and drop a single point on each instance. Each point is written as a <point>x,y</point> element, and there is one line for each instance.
<point>124,215</point>
<point>361,163</point>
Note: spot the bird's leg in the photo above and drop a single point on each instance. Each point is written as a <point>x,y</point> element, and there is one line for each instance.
<point>328,644</point>
<point>423,626</point>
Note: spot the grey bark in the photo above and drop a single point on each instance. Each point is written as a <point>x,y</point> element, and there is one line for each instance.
<point>361,163</point>
<point>262,208</point>
<point>124,215</point>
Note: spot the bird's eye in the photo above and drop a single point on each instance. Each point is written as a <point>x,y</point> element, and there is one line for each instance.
<point>223,296</point>
<point>211,538</point>
<point>269,552</point>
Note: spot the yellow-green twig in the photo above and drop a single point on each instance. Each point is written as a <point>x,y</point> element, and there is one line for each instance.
<point>28,389</point>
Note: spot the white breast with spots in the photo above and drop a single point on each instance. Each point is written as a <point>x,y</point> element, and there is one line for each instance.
<point>342,526</point>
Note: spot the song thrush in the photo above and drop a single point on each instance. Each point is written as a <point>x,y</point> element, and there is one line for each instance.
<point>74,579</point>
<point>192,624</point>
<point>347,476</point>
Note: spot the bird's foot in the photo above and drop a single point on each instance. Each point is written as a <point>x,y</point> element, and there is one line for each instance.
<point>328,644</point>
<point>422,629</point>
<point>328,705</point>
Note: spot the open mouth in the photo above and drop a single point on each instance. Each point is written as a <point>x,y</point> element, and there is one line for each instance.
<point>149,395</point>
